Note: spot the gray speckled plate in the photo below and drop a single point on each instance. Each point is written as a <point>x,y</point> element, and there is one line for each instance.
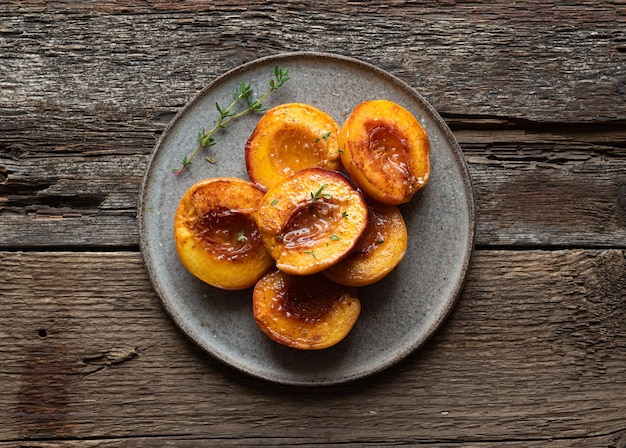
<point>398,314</point>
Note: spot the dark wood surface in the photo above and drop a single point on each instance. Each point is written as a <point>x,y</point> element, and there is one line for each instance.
<point>534,353</point>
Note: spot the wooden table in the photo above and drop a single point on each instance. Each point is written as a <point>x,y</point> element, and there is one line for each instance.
<point>534,353</point>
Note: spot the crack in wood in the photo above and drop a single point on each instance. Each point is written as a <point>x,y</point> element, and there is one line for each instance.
<point>32,196</point>
<point>52,204</point>
<point>103,360</point>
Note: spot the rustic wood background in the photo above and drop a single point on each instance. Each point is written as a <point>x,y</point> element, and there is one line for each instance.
<point>534,353</point>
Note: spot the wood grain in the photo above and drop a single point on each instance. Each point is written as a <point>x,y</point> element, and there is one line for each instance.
<point>121,65</point>
<point>533,352</point>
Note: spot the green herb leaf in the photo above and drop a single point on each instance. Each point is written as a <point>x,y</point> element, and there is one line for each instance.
<point>311,252</point>
<point>282,76</point>
<point>324,136</point>
<point>183,163</point>
<point>318,194</point>
<point>244,91</point>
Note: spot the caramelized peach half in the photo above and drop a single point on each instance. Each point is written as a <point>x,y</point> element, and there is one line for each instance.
<point>289,138</point>
<point>386,151</point>
<point>311,220</point>
<point>304,312</point>
<point>216,235</point>
<point>378,252</point>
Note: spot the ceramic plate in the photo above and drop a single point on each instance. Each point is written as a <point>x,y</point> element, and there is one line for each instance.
<point>398,314</point>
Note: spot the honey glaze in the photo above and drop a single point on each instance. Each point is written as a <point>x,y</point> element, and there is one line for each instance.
<point>389,151</point>
<point>295,150</point>
<point>310,223</point>
<point>228,234</point>
<point>308,298</point>
<point>374,235</point>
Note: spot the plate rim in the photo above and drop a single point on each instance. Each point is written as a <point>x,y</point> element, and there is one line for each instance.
<point>458,157</point>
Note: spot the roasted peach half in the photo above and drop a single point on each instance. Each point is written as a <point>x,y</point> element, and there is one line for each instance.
<point>378,252</point>
<point>311,220</point>
<point>385,150</point>
<point>304,312</point>
<point>216,235</point>
<point>289,138</point>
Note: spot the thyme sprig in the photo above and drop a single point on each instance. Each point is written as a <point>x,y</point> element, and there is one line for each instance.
<point>243,92</point>
<point>317,196</point>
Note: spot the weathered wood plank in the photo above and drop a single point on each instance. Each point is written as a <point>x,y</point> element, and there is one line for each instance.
<point>599,441</point>
<point>534,351</point>
<point>97,66</point>
<point>69,200</point>
<point>534,187</point>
